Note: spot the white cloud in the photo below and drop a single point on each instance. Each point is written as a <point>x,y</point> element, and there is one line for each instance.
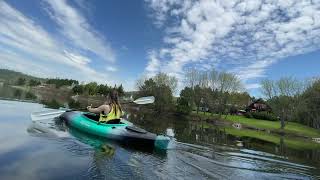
<point>244,37</point>
<point>153,64</point>
<point>27,47</point>
<point>76,28</point>
<point>252,86</point>
<point>111,69</point>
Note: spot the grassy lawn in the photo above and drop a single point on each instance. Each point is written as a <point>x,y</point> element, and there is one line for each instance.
<point>290,127</point>
<point>294,143</point>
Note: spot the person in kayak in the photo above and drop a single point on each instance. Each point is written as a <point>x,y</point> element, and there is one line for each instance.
<point>111,111</point>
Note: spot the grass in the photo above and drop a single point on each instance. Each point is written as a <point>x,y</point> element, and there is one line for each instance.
<point>291,127</point>
<point>294,143</point>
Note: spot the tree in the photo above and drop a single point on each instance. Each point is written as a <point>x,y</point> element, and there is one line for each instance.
<point>185,101</point>
<point>91,88</point>
<point>307,111</point>
<point>212,88</point>
<point>21,81</point>
<point>226,84</point>
<point>62,82</point>
<point>78,89</point>
<point>191,77</point>
<point>158,86</point>
<point>283,96</point>
<point>268,88</point>
<point>33,82</point>
<point>120,90</point>
<point>163,79</point>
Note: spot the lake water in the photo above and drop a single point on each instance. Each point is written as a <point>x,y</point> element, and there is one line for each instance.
<point>196,152</point>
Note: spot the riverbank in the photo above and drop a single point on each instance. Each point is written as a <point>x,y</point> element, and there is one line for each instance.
<point>291,128</point>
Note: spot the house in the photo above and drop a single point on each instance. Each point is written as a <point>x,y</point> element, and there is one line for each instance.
<point>258,105</point>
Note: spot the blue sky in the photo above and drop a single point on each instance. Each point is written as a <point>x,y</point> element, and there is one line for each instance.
<point>120,41</point>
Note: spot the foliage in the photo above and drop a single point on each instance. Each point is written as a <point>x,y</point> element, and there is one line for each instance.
<point>158,87</point>
<point>33,82</point>
<point>185,101</point>
<point>120,90</point>
<point>282,96</point>
<point>294,100</point>
<point>30,95</point>
<point>91,88</point>
<point>62,82</point>
<point>163,79</point>
<point>308,109</point>
<point>52,104</point>
<point>21,81</point>
<point>262,115</point>
<point>74,104</point>
<point>78,89</point>
<point>215,90</point>
<point>10,77</point>
<point>17,93</point>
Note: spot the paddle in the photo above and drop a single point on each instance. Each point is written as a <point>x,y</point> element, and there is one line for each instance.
<point>50,114</point>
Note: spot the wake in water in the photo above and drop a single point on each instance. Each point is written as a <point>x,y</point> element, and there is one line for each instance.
<point>181,160</point>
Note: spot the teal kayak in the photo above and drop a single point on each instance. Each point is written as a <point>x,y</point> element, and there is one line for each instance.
<point>123,131</point>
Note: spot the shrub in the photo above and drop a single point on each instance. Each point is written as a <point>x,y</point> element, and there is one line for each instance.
<point>30,95</point>
<point>262,116</point>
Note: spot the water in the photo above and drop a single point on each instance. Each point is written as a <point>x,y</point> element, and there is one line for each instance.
<point>47,150</point>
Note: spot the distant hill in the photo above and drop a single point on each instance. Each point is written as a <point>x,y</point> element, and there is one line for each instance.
<point>10,77</point>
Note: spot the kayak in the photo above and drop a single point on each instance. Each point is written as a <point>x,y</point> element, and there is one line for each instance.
<point>123,131</point>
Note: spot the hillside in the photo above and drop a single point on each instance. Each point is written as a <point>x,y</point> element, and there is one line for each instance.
<point>10,76</point>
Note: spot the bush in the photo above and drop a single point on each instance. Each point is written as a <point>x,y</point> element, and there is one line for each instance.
<point>74,104</point>
<point>30,95</point>
<point>262,115</point>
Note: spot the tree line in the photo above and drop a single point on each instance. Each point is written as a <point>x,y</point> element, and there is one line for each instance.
<point>23,81</point>
<point>94,88</point>
<point>221,92</point>
<point>211,90</point>
<point>62,82</point>
<point>294,100</point>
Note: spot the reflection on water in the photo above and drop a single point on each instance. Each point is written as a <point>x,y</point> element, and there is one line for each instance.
<point>198,151</point>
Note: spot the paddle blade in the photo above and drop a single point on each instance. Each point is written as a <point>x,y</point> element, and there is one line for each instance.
<point>144,100</point>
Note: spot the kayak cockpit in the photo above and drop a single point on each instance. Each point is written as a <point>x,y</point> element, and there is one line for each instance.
<point>95,117</point>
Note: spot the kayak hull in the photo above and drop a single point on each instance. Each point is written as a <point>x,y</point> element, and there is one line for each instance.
<point>122,132</point>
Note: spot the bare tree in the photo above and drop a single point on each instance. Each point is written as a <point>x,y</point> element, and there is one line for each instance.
<point>289,86</point>
<point>282,96</point>
<point>203,80</point>
<point>192,77</point>
<point>213,78</point>
<point>164,79</point>
<point>268,88</point>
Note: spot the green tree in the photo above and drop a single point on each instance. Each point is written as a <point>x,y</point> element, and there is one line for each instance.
<point>91,88</point>
<point>185,101</point>
<point>78,89</point>
<point>283,96</point>
<point>33,82</point>
<point>21,81</point>
<point>157,87</point>
<point>120,90</point>
<point>308,109</point>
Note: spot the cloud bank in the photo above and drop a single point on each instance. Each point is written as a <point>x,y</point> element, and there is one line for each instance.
<point>27,46</point>
<point>240,36</point>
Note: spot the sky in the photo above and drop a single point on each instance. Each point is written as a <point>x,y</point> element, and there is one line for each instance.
<point>120,41</point>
